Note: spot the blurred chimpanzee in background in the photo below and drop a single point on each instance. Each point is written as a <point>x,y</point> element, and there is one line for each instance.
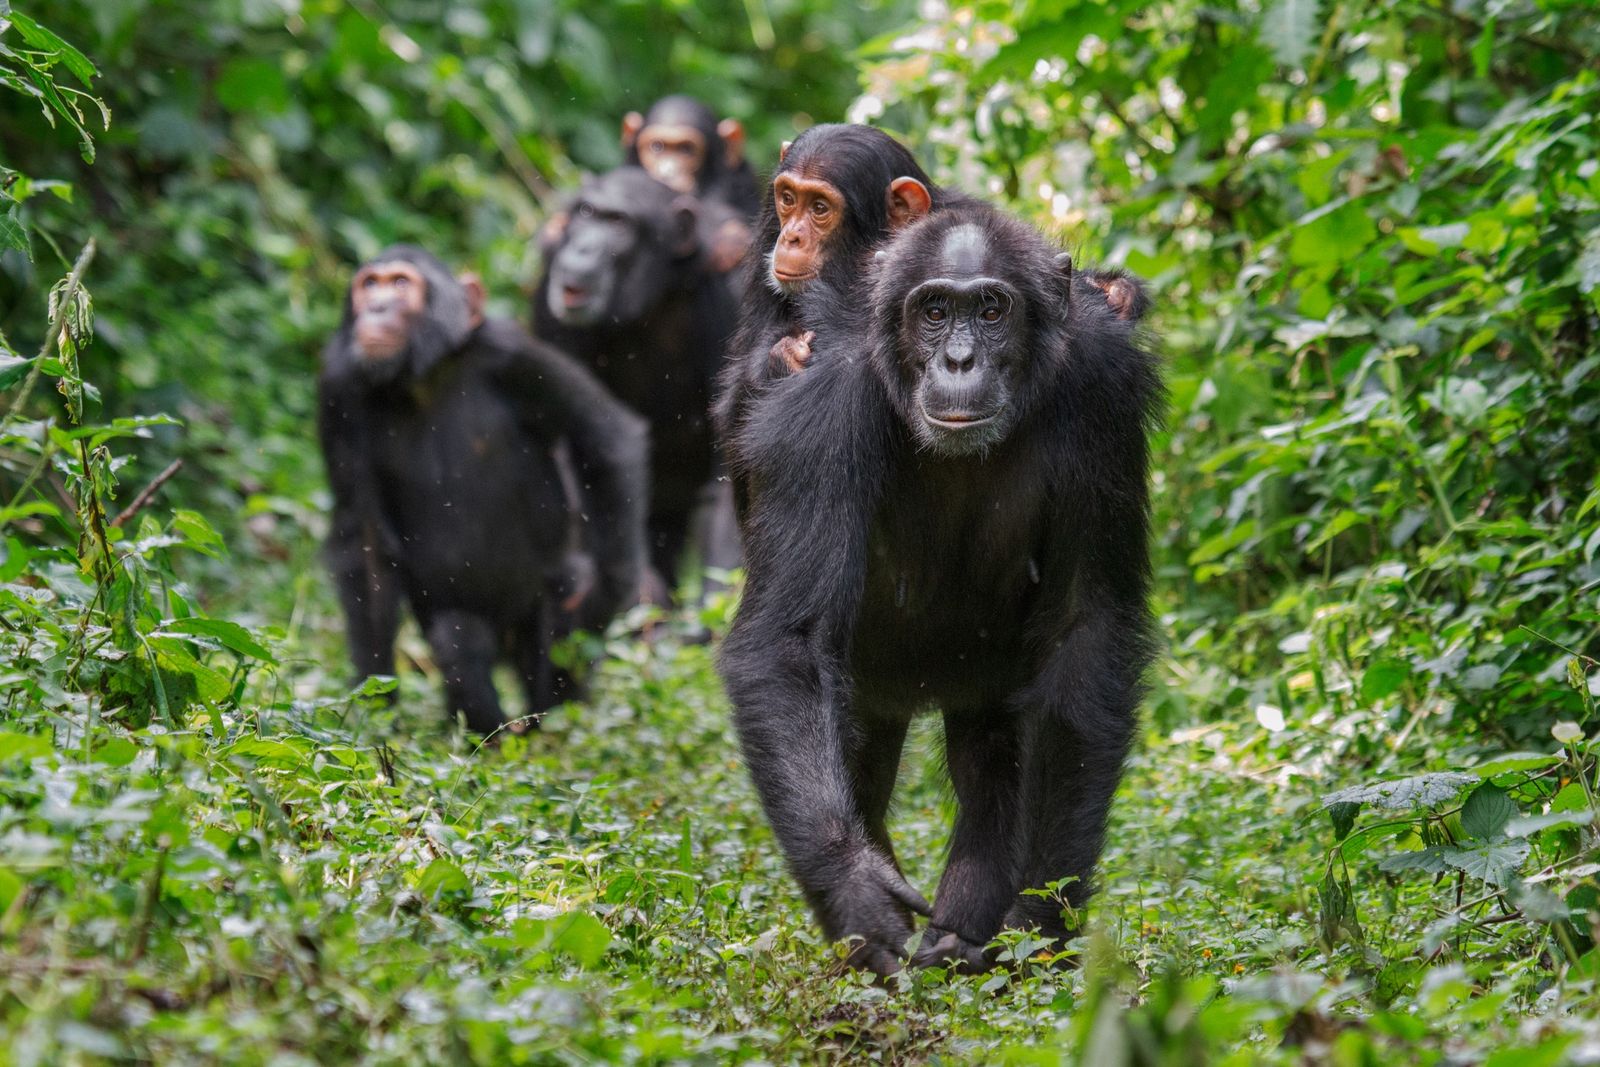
<point>629,290</point>
<point>480,476</point>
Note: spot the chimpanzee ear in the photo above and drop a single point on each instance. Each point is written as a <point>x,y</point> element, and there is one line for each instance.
<point>684,237</point>
<point>732,133</point>
<point>632,123</point>
<point>477,297</point>
<point>783,151</point>
<point>909,200</point>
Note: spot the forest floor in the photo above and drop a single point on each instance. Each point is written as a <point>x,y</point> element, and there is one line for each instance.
<point>325,880</point>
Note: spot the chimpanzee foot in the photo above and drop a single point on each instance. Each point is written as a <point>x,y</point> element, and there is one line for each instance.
<point>945,948</point>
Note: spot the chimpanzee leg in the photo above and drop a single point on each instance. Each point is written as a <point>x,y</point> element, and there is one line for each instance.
<point>465,647</point>
<point>874,764</point>
<point>980,880</point>
<point>1072,772</point>
<point>544,685</point>
<point>795,724</point>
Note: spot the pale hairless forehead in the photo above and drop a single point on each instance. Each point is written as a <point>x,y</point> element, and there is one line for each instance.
<point>964,249</point>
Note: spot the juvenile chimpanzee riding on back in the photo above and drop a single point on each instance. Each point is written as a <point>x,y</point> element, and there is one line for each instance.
<point>629,292</point>
<point>947,510</point>
<point>481,477</point>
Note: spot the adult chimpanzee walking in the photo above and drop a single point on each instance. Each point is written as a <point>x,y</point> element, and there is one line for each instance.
<point>948,509</point>
<point>629,292</point>
<point>480,476</point>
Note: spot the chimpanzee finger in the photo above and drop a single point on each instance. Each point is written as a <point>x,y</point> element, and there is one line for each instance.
<point>903,892</point>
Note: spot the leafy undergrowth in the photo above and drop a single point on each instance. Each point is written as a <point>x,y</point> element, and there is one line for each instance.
<point>323,879</point>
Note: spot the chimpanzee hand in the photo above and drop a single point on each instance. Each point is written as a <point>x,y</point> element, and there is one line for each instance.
<point>728,245</point>
<point>791,353</point>
<point>945,948</point>
<point>575,580</point>
<point>873,902</point>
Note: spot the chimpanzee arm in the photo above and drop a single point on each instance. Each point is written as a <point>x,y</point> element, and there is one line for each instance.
<point>609,446</point>
<point>360,548</point>
<point>1080,713</point>
<point>817,447</point>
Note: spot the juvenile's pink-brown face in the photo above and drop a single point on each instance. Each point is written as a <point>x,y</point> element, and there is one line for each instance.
<point>386,298</point>
<point>673,155</point>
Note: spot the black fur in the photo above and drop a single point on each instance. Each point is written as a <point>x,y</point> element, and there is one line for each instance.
<point>1005,586</point>
<point>656,335</point>
<point>446,465</point>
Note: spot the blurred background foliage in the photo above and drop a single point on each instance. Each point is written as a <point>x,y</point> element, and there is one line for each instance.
<point>1373,234</point>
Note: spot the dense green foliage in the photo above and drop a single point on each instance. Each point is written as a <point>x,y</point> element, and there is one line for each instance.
<point>1361,826</point>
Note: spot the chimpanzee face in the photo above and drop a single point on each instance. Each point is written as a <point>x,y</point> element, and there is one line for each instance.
<point>809,211</point>
<point>673,154</point>
<point>963,330</point>
<point>617,256</point>
<point>386,298</point>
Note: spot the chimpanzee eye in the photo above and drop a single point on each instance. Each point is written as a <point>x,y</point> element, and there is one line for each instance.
<point>369,281</point>
<point>585,210</point>
<point>819,208</point>
<point>401,281</point>
<point>990,314</point>
<point>786,198</point>
<point>935,313</point>
<point>658,146</point>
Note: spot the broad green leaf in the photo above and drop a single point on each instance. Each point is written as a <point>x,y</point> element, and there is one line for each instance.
<point>1494,864</point>
<point>1528,825</point>
<point>1334,237</point>
<point>442,876</point>
<point>47,41</point>
<point>1515,761</point>
<point>1431,860</point>
<point>1383,678</point>
<point>23,747</point>
<point>1486,812</point>
<point>1421,791</point>
<point>581,936</point>
<point>230,634</point>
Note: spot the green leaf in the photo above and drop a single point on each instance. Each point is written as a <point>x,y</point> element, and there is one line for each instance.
<point>1515,761</point>
<point>12,235</point>
<point>1383,678</point>
<point>1434,859</point>
<point>1486,812</point>
<point>1494,864</point>
<point>1528,825</point>
<point>46,41</point>
<point>1332,237</point>
<point>442,876</point>
<point>197,533</point>
<point>22,747</point>
<point>230,634</point>
<point>1421,791</point>
<point>581,936</point>
<point>1344,818</point>
<point>1289,28</point>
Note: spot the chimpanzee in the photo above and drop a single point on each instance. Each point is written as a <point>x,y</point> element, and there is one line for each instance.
<point>483,477</point>
<point>949,511</point>
<point>681,143</point>
<point>839,191</point>
<point>629,292</point>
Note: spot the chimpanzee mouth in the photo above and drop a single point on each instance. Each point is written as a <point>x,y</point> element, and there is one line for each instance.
<point>958,420</point>
<point>574,297</point>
